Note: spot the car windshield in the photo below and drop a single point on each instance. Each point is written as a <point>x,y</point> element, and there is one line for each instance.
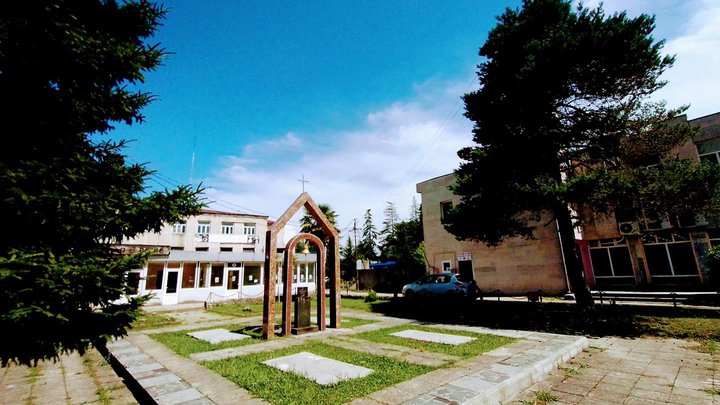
<point>463,278</point>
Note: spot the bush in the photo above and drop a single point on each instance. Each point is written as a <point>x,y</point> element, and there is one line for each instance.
<point>371,297</point>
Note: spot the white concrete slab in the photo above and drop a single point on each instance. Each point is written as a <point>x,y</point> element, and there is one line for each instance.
<point>320,369</point>
<point>445,338</point>
<point>214,336</point>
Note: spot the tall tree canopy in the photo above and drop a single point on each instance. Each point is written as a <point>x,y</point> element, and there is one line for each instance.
<point>367,248</point>
<point>66,73</point>
<point>562,122</point>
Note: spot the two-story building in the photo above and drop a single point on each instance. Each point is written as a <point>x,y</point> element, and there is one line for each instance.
<point>656,254</point>
<point>213,256</point>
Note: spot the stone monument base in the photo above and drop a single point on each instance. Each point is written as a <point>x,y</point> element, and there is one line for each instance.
<point>303,330</point>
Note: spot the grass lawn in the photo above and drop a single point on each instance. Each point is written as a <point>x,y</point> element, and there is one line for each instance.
<point>153,321</point>
<point>279,387</point>
<point>183,344</point>
<point>241,308</point>
<point>483,343</point>
<point>247,308</point>
<point>698,324</point>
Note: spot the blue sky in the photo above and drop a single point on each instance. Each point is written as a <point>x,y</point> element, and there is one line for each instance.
<point>362,98</point>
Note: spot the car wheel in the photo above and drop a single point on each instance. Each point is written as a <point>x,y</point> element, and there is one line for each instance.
<point>409,294</point>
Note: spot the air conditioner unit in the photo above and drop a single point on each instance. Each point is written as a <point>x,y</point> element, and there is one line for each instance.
<point>629,228</point>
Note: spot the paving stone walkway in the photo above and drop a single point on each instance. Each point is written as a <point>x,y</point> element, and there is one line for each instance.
<point>490,378</point>
<point>634,371</point>
<point>73,379</point>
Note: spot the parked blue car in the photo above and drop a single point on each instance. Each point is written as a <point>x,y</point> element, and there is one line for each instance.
<point>441,285</point>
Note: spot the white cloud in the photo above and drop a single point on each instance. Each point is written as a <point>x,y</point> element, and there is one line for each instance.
<point>406,142</point>
<point>396,147</point>
<point>692,31</point>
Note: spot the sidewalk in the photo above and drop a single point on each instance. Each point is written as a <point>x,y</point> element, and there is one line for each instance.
<point>73,379</point>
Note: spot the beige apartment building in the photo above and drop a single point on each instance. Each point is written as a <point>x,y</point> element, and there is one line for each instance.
<point>516,267</point>
<point>213,256</point>
<point>654,254</point>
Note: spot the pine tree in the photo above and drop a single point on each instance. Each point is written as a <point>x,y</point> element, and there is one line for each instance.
<point>562,124</point>
<point>368,246</point>
<point>67,194</point>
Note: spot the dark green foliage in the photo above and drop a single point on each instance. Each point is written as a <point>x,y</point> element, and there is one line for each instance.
<point>562,121</point>
<point>367,248</point>
<point>347,261</point>
<point>66,68</point>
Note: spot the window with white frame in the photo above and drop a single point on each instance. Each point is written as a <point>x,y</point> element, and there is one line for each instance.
<point>709,151</point>
<point>249,229</point>
<point>203,228</point>
<point>179,228</point>
<point>227,228</point>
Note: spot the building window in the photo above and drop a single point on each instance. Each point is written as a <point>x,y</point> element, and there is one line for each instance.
<point>709,151</point>
<point>227,228</point>
<point>251,275</point>
<point>203,228</point>
<point>153,280</point>
<point>216,275</point>
<point>713,157</point>
<point>179,228</point>
<point>249,229</point>
<point>446,266</point>
<point>188,277</point>
<point>201,249</point>
<point>226,248</point>
<point>248,250</point>
<point>445,208</point>
<point>133,282</point>
<point>203,275</point>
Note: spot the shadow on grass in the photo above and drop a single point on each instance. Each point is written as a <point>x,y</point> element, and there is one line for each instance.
<point>561,317</point>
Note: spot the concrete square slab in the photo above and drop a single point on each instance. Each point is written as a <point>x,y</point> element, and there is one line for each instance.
<point>320,369</point>
<point>444,338</point>
<point>215,336</point>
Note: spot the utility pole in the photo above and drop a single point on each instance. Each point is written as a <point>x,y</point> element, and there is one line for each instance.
<point>357,272</point>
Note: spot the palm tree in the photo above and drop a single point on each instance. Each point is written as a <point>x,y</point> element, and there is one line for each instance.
<point>308,224</point>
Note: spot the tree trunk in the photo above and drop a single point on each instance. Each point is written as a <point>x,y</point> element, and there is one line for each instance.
<point>573,262</point>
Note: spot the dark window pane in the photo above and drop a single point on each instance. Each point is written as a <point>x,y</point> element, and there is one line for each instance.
<point>657,260</point>
<point>188,277</point>
<point>600,262</point>
<point>216,277</point>
<point>683,259</point>
<point>251,275</point>
<point>133,282</point>
<point>622,265</point>
<point>153,281</point>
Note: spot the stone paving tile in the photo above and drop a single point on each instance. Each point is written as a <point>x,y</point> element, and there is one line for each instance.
<point>626,382</point>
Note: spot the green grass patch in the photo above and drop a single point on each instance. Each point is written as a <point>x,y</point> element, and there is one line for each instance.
<point>680,327</point>
<point>358,304</point>
<point>540,398</point>
<point>183,344</point>
<point>350,323</point>
<point>482,343</point>
<point>280,388</point>
<point>242,308</point>
<point>709,346</point>
<point>153,321</point>
<point>712,391</point>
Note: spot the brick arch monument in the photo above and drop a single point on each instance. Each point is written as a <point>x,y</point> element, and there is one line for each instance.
<point>271,269</point>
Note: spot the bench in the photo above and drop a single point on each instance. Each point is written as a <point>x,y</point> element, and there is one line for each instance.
<point>662,296</point>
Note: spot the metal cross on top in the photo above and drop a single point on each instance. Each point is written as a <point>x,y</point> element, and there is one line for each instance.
<point>303,181</point>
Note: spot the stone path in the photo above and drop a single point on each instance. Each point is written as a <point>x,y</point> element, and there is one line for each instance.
<point>634,371</point>
<point>71,380</point>
<point>490,378</point>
